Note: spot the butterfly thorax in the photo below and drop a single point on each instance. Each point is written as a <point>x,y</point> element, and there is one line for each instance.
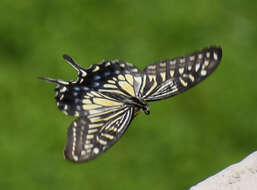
<point>138,104</point>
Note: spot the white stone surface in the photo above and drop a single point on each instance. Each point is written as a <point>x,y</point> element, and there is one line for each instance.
<point>239,176</point>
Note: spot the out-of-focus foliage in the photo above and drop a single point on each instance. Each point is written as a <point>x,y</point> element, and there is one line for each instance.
<point>185,139</point>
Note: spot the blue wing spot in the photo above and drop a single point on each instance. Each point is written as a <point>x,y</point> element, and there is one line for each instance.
<point>85,88</point>
<point>77,100</point>
<point>96,84</point>
<point>78,108</point>
<point>84,113</point>
<point>117,72</point>
<point>75,93</point>
<point>107,73</point>
<point>76,88</point>
<point>97,77</point>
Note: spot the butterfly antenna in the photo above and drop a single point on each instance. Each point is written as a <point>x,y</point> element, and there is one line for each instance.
<point>61,82</point>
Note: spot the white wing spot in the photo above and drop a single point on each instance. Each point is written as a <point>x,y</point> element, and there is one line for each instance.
<point>88,150</point>
<point>86,101</point>
<point>206,63</point>
<point>183,60</point>
<point>163,76</point>
<point>130,64</point>
<point>75,158</point>
<point>208,54</point>
<point>189,67</point>
<point>92,131</point>
<point>197,67</point>
<point>203,72</point>
<point>181,70</point>
<point>121,77</point>
<point>191,77</point>
<point>63,89</point>
<point>200,56</point>
<point>83,152</point>
<point>90,136</point>
<point>95,125</point>
<point>107,136</point>
<point>162,64</point>
<point>76,113</point>
<point>61,97</point>
<point>96,150</point>
<point>171,73</point>
<point>111,81</point>
<point>184,83</point>
<point>215,56</point>
<point>151,67</point>
<point>74,132</point>
<point>102,141</point>
<point>173,62</point>
<point>84,73</point>
<point>192,58</point>
<point>88,146</point>
<point>81,80</point>
<point>74,144</point>
<point>96,68</point>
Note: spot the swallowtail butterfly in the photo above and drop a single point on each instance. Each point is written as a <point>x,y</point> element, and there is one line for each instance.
<point>107,96</point>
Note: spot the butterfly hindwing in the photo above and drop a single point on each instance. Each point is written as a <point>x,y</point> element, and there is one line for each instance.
<point>171,77</point>
<point>88,137</point>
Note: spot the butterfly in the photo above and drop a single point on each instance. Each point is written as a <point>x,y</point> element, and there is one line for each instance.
<point>107,96</point>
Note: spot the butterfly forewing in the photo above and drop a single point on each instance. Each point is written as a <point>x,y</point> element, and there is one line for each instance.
<point>88,137</point>
<point>103,85</point>
<point>171,77</point>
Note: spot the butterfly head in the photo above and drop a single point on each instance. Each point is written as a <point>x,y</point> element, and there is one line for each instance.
<point>146,109</point>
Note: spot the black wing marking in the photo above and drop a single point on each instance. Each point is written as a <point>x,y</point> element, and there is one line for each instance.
<point>88,137</point>
<point>110,81</point>
<point>171,77</point>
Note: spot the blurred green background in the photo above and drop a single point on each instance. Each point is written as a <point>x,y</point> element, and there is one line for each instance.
<point>184,140</point>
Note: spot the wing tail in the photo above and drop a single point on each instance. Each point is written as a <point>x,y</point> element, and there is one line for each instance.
<point>81,71</point>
